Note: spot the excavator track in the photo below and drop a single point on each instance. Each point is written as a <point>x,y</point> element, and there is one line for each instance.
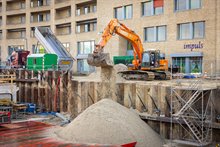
<point>162,75</point>
<point>145,75</point>
<point>137,75</point>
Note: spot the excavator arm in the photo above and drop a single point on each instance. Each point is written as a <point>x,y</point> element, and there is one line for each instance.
<point>98,58</point>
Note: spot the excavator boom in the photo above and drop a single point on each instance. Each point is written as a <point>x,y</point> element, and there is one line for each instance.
<point>99,58</point>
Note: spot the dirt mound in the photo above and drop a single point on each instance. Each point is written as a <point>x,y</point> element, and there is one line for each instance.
<point>107,122</point>
<point>120,67</point>
<point>111,74</point>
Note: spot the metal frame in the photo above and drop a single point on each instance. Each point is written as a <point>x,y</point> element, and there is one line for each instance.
<point>191,107</point>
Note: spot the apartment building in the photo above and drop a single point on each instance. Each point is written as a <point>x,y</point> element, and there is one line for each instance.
<point>187,31</point>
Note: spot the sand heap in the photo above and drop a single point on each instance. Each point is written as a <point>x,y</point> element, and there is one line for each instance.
<point>108,122</point>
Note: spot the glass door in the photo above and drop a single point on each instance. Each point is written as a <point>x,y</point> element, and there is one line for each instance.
<point>196,65</point>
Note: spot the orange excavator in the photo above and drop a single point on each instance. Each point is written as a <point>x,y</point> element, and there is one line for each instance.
<point>147,65</point>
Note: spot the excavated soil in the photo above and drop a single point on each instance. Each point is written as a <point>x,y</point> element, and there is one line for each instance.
<point>108,122</point>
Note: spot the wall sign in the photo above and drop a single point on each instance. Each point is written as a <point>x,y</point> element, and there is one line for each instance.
<point>194,46</point>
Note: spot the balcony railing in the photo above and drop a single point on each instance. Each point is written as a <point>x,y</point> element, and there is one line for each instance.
<point>60,1</point>
<point>41,3</point>
<point>15,23</point>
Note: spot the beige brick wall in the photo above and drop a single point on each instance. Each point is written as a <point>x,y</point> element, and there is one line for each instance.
<point>170,18</point>
<point>209,13</point>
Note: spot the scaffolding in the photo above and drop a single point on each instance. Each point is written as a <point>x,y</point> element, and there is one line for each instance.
<point>192,109</point>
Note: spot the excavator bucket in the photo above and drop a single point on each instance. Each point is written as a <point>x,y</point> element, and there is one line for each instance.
<point>100,60</point>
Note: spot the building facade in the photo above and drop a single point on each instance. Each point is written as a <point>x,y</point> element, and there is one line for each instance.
<point>187,31</point>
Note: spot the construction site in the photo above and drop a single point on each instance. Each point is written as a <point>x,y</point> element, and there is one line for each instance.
<point>104,97</point>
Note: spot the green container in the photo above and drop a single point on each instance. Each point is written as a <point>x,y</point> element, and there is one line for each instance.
<point>123,59</point>
<point>39,62</point>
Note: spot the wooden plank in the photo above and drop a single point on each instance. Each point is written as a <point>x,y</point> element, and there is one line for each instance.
<point>61,93</point>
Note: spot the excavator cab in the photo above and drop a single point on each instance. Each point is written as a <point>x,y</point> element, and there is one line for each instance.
<point>151,59</point>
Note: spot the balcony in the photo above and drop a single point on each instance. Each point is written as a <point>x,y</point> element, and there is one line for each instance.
<point>86,8</point>
<point>16,19</point>
<point>15,5</point>
<point>40,5</point>
<point>40,17</point>
<point>61,1</point>
<point>86,26</point>
<point>63,13</point>
<point>16,33</point>
<point>63,29</point>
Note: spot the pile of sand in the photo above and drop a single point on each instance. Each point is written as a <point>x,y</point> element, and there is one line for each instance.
<point>108,122</point>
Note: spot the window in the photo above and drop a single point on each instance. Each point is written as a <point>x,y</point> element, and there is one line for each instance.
<point>69,12</point>
<point>85,47</point>
<point>32,18</point>
<point>129,45</point>
<point>198,28</point>
<point>34,49</point>
<point>195,4</point>
<point>153,7</point>
<point>188,64</point>
<point>78,28</point>
<point>191,30</point>
<point>149,34</point>
<point>118,13</point>
<point>94,7</point>
<point>124,12</point>
<point>86,28</point>
<point>161,33</point>
<point>187,4</point>
<point>40,17</point>
<point>83,67</point>
<point>22,19</point>
<point>48,17</point>
<point>152,34</point>
<point>185,31</point>
<point>67,46</point>
<point>13,48</point>
<point>48,2</point>
<point>32,4</point>
<point>40,3</point>
<point>78,12</point>
<point>128,12</point>
<point>86,10</point>
<point>0,34</point>
<point>23,34</point>
<point>94,26</point>
<point>22,5</point>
